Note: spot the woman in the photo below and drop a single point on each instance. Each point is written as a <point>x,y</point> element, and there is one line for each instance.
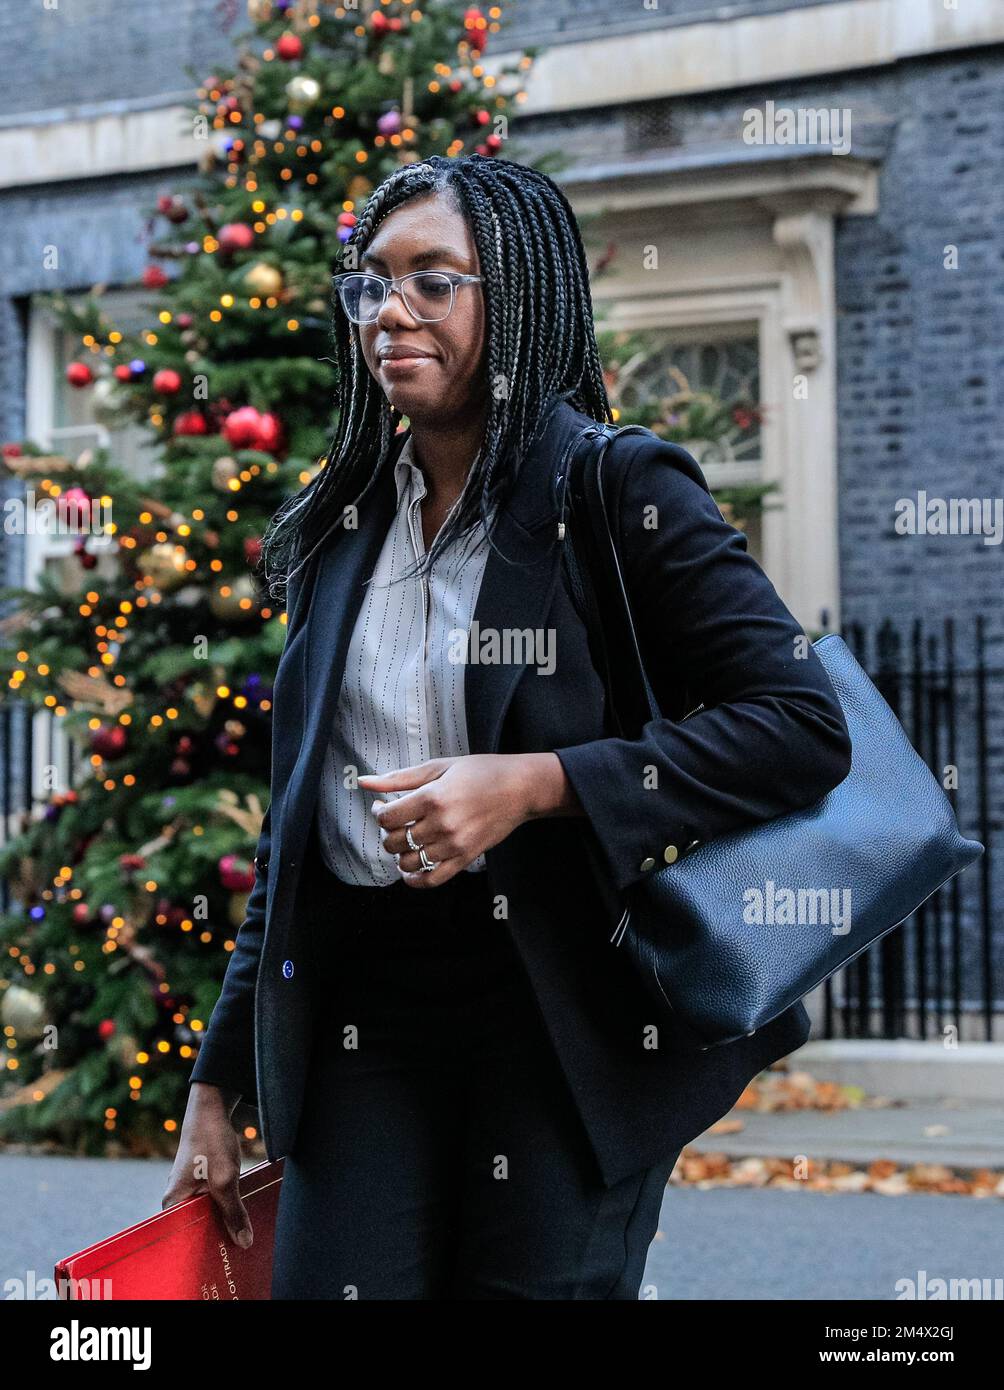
<point>462,1072</point>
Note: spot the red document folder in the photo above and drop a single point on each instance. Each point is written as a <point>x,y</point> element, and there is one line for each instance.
<point>184,1252</point>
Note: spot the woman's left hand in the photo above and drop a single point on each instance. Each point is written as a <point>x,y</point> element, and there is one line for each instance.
<point>459,807</point>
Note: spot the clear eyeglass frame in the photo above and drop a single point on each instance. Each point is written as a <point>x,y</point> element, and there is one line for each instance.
<point>342,283</point>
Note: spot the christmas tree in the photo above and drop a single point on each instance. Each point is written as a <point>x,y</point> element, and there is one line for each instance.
<point>128,887</point>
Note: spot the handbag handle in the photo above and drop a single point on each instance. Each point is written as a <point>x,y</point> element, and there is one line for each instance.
<point>595,570</point>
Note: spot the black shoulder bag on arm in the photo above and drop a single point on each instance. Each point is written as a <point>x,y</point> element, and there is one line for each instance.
<point>886,837</point>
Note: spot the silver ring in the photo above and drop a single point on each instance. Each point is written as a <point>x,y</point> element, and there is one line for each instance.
<point>411,843</point>
<point>427,864</point>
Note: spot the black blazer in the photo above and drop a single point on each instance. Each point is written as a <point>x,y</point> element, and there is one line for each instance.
<point>772,739</point>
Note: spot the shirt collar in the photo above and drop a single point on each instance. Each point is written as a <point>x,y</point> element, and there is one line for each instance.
<point>406,471</point>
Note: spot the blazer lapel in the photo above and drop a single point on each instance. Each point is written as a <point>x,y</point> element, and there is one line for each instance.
<point>516,597</point>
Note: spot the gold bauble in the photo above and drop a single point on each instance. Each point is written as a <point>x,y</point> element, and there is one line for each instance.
<point>259,11</point>
<point>302,91</point>
<point>203,697</point>
<point>264,280</point>
<point>223,470</point>
<point>359,187</point>
<point>24,1011</point>
<point>227,607</point>
<point>165,565</point>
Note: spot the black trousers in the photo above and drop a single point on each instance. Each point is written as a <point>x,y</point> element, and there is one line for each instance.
<point>440,1154</point>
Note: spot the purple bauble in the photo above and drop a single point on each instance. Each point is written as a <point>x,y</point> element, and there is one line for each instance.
<point>295,122</point>
<point>389,123</point>
<point>137,366</point>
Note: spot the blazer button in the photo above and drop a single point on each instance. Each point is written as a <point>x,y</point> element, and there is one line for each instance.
<point>260,864</point>
<point>671,854</point>
<point>647,864</point>
<point>287,969</point>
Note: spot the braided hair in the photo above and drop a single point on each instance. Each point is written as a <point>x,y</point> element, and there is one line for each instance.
<point>540,347</point>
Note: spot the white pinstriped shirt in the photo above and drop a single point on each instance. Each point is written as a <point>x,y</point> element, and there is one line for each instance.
<point>402,698</point>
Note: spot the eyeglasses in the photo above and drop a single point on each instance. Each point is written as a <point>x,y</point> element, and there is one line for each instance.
<point>428,295</point>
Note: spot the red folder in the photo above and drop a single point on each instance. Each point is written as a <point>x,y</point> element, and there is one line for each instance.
<point>184,1252</point>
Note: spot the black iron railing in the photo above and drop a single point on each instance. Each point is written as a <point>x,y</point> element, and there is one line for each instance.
<point>944,968</point>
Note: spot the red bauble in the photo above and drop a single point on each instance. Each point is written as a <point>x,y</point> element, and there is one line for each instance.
<point>81,913</point>
<point>154,278</point>
<point>191,422</point>
<point>236,875</point>
<point>235,236</point>
<point>167,382</point>
<point>494,143</point>
<point>74,508</point>
<point>106,1028</point>
<point>269,433</point>
<point>79,374</point>
<point>123,372</point>
<point>184,320</point>
<point>169,205</point>
<point>240,428</point>
<point>347,219</point>
<point>379,22</point>
<point>11,451</point>
<point>252,550</point>
<point>475,29</point>
<point>289,47</point>
<point>110,741</point>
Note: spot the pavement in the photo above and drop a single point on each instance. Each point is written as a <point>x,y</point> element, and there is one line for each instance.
<point>721,1243</point>
<point>713,1243</point>
<point>958,1133</point>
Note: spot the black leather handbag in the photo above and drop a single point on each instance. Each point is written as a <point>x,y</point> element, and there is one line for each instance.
<point>741,927</point>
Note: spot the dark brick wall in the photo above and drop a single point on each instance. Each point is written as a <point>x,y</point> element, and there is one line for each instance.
<point>563,21</point>
<point>86,52</point>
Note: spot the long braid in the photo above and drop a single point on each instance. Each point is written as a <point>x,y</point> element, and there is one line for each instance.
<point>539,341</point>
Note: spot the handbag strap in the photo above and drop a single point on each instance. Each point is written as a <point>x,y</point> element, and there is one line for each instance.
<point>598,583</point>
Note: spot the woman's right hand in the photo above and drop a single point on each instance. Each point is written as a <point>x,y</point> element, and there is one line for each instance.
<point>209,1158</point>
